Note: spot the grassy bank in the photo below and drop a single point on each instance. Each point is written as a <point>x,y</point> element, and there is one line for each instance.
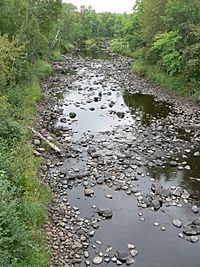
<point>23,199</point>
<point>176,83</point>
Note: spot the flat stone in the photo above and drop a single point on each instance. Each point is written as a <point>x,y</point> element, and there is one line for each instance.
<point>156,204</point>
<point>36,142</point>
<point>122,255</point>
<point>194,239</point>
<point>107,214</point>
<point>97,260</point>
<point>177,223</point>
<point>187,167</point>
<point>86,254</point>
<point>164,192</point>
<point>173,163</point>
<point>130,246</point>
<point>185,195</point>
<point>178,191</point>
<point>88,192</point>
<point>189,229</point>
<point>129,261</point>
<point>109,196</point>
<point>195,209</point>
<point>87,263</point>
<point>113,259</point>
<point>196,221</point>
<point>133,252</point>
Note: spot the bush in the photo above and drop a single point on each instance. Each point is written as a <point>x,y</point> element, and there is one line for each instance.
<point>42,69</point>
<point>10,59</point>
<point>121,47</point>
<point>138,67</point>
<point>56,56</point>
<point>14,243</point>
<point>166,46</point>
<point>67,47</point>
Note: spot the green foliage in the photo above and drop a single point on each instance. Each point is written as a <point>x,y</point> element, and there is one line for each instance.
<point>165,35</point>
<point>165,45</point>
<point>153,73</point>
<point>138,67</point>
<point>56,56</point>
<point>151,18</point>
<point>10,59</point>
<point>28,29</point>
<point>121,47</point>
<point>42,69</point>
<point>13,236</point>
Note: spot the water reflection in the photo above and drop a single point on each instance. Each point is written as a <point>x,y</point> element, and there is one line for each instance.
<point>148,105</point>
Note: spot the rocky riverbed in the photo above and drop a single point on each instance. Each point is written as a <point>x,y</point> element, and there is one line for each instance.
<point>127,179</point>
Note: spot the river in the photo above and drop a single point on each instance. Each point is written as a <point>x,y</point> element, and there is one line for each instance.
<point>129,170</point>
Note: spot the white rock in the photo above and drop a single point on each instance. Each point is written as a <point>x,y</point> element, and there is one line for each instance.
<point>97,260</point>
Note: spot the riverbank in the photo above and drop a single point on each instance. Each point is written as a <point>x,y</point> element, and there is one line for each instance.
<point>127,172</point>
<point>23,198</point>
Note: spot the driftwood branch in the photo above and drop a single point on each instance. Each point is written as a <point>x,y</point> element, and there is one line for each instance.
<point>54,147</point>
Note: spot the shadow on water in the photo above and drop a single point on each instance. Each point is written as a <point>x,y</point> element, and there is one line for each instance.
<point>94,54</point>
<point>147,105</point>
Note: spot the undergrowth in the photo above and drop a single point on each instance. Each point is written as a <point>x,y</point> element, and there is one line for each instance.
<point>23,198</point>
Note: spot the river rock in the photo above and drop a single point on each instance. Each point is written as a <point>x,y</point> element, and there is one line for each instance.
<point>173,163</point>
<point>164,192</point>
<point>189,229</point>
<point>122,255</point>
<point>36,142</point>
<point>194,239</point>
<point>129,261</point>
<point>156,204</point>
<point>72,115</point>
<point>88,192</point>
<point>131,246</point>
<point>133,252</point>
<point>185,195</point>
<point>178,191</point>
<point>107,214</point>
<point>195,209</point>
<point>196,221</point>
<point>177,223</point>
<point>97,260</point>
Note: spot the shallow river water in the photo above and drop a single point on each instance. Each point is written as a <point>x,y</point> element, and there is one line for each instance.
<point>125,143</point>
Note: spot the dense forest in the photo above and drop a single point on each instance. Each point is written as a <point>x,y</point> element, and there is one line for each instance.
<point>162,36</point>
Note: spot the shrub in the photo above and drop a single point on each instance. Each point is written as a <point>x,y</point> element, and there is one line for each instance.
<point>56,56</point>
<point>166,46</point>
<point>121,47</point>
<point>11,57</point>
<point>139,68</point>
<point>42,69</point>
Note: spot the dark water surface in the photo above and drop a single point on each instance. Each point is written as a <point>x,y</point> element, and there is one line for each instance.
<point>156,248</point>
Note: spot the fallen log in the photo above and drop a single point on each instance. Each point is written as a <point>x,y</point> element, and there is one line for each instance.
<point>54,147</point>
